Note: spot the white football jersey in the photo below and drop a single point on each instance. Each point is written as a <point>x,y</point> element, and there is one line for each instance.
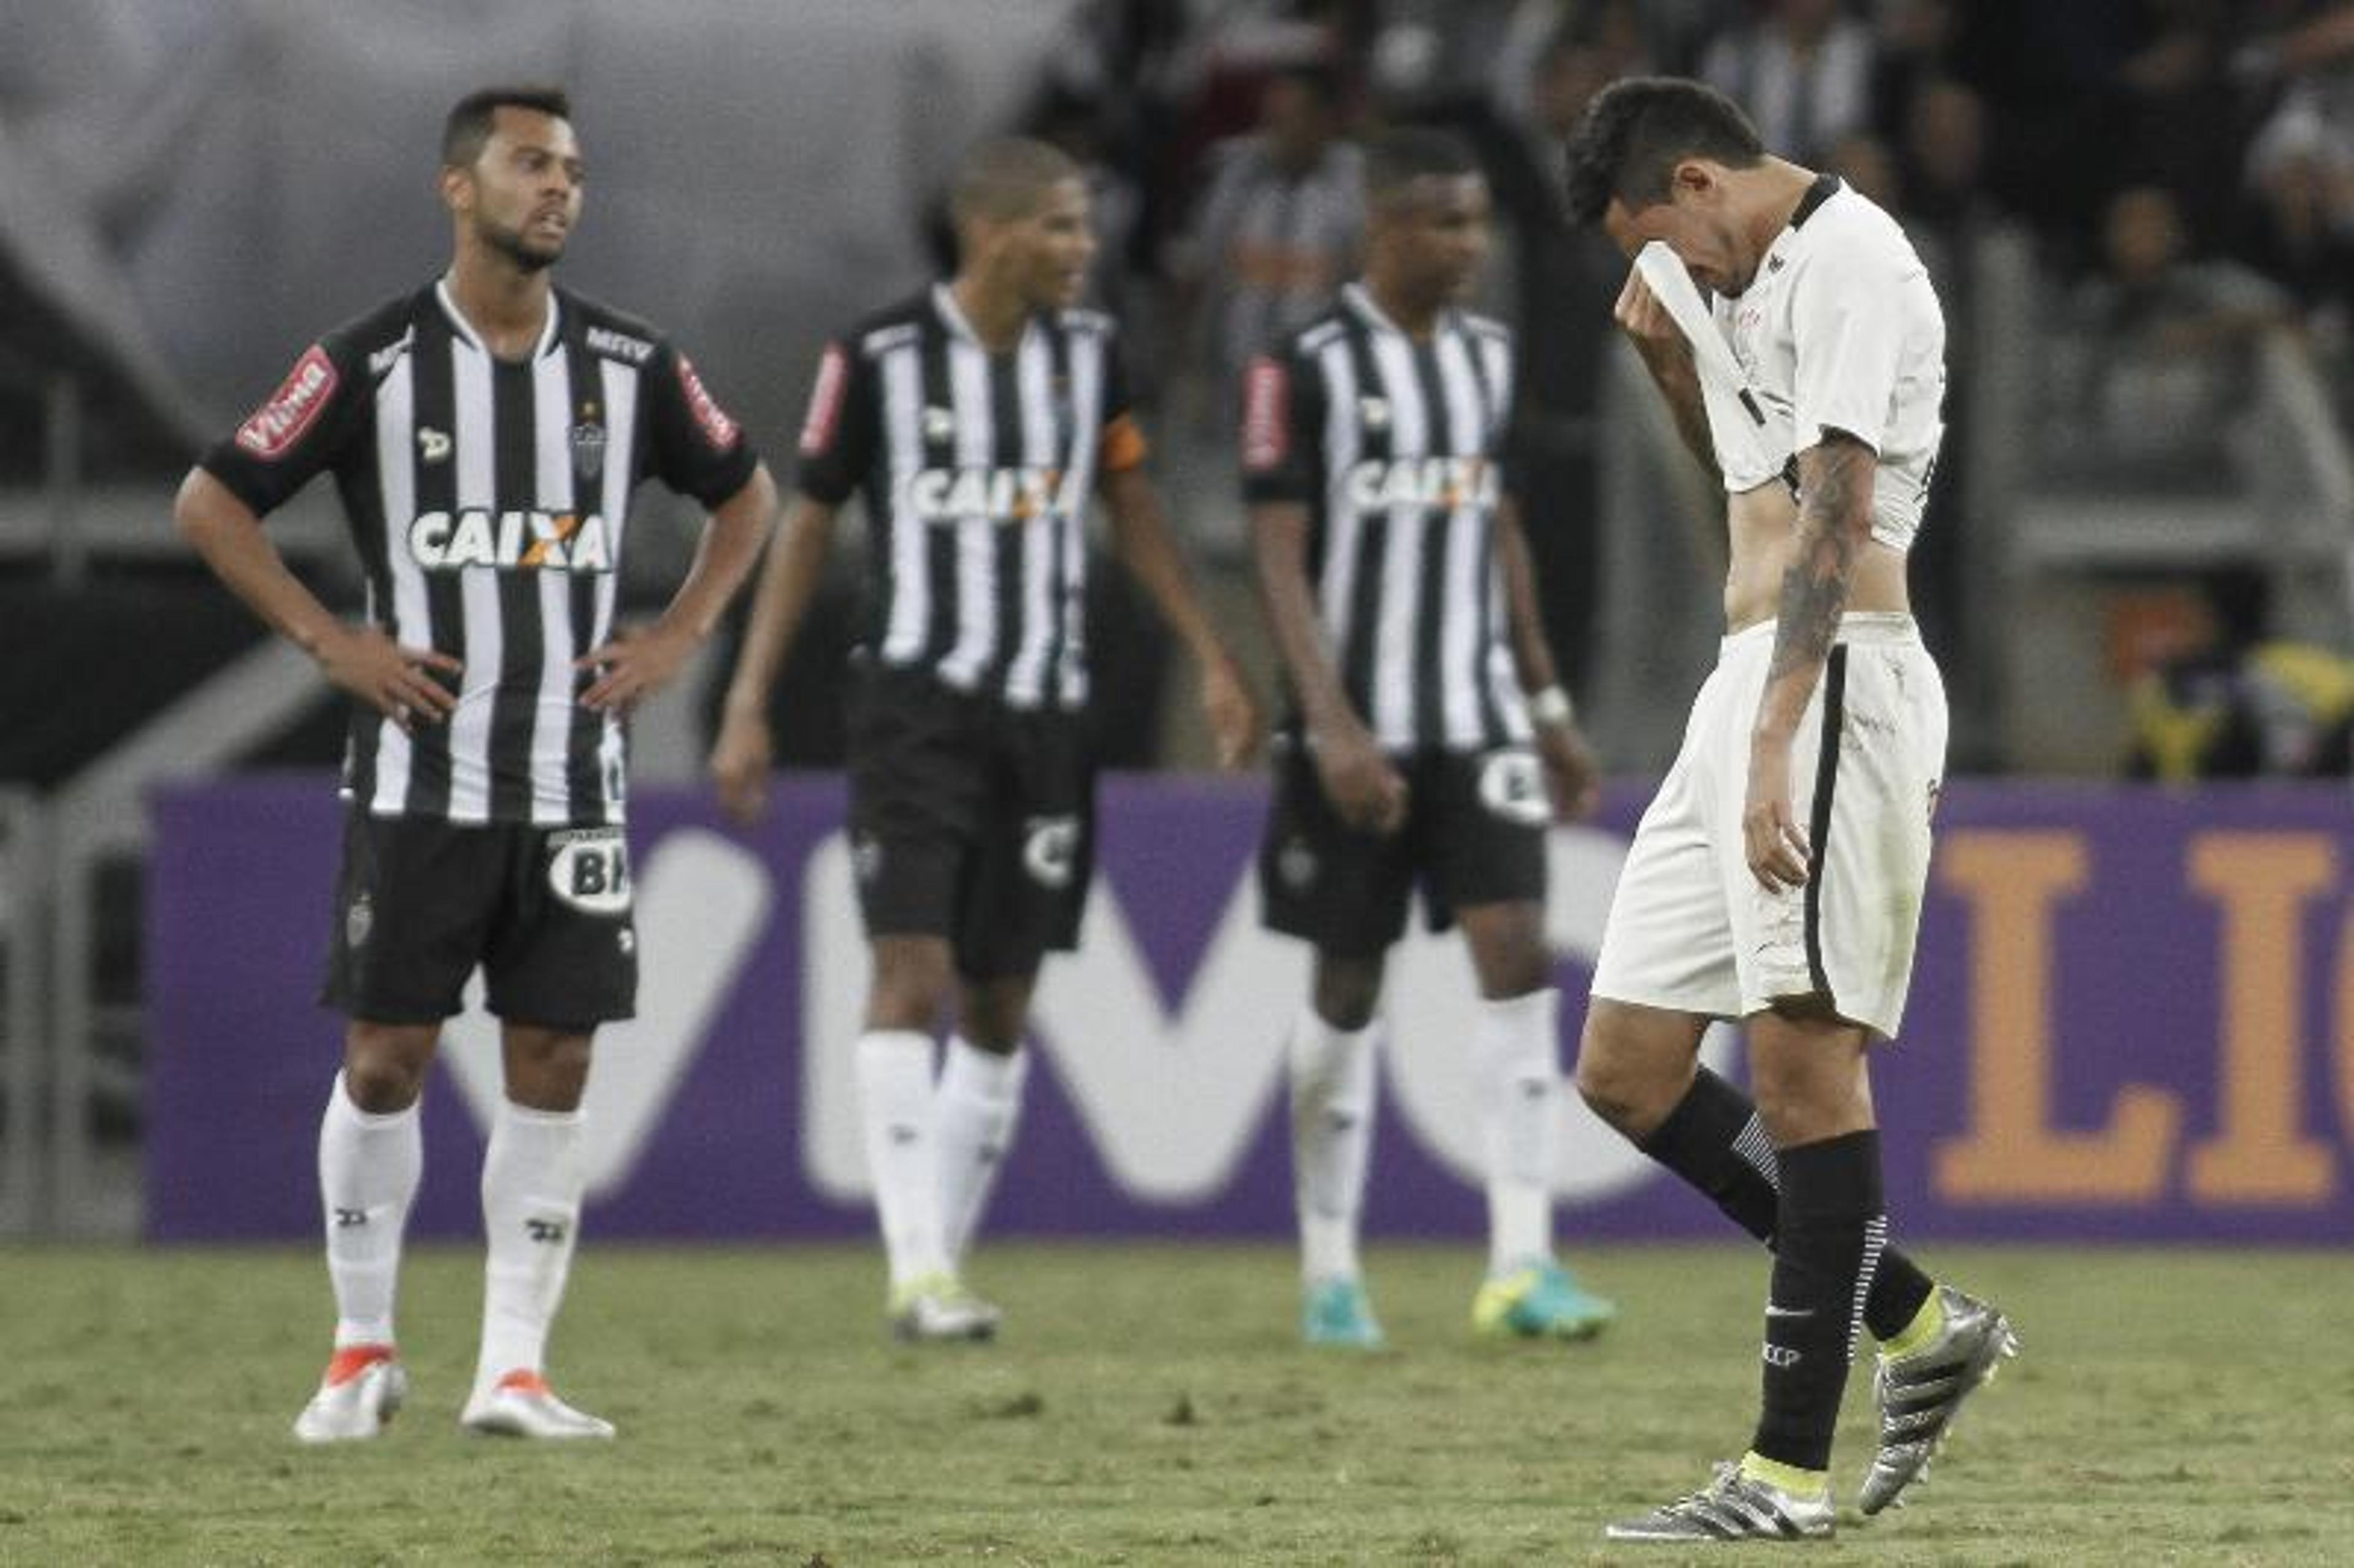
<point>1840,330</point>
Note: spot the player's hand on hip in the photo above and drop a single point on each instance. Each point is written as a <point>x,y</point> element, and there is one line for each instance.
<point>397,681</point>
<point>739,765</point>
<point>637,663</point>
<point>1570,769</point>
<point>1236,725</point>
<point>1364,785</point>
<point>1775,843</point>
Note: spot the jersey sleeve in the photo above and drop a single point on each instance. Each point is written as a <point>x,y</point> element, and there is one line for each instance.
<point>303,430</point>
<point>838,431</point>
<point>1123,445</point>
<point>1283,426</point>
<point>1848,324</point>
<point>694,446</point>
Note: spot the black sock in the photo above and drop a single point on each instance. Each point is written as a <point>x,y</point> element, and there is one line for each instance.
<point>1827,1245</point>
<point>1715,1142</point>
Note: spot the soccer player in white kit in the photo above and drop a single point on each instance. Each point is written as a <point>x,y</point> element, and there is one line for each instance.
<point>1777,876</point>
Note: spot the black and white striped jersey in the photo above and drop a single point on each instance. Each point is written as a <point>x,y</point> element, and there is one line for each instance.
<point>976,469</point>
<point>488,500</point>
<point>1395,444</point>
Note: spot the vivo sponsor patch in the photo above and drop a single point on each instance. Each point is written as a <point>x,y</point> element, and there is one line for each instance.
<point>1511,786</point>
<point>293,408</point>
<point>825,401</point>
<point>589,869</point>
<point>717,428</point>
<point>620,345</point>
<point>1265,435</point>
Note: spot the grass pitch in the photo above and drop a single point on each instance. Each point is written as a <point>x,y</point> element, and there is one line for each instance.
<point>1147,1405</point>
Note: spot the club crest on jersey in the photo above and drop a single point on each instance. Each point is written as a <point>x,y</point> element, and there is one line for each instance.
<point>590,870</point>
<point>293,408</point>
<point>1442,482</point>
<point>939,425</point>
<point>1003,496</point>
<point>515,540</point>
<point>1375,412</point>
<point>589,448</point>
<point>432,445</point>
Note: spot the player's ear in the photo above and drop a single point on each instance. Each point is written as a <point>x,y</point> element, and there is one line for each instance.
<point>457,188</point>
<point>1693,180</point>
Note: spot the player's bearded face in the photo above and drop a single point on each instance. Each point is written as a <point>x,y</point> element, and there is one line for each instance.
<point>524,189</point>
<point>1051,247</point>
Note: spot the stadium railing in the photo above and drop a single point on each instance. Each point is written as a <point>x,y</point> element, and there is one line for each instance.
<point>23,1012</point>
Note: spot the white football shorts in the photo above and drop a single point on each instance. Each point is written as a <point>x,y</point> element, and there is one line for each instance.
<point>1691,931</point>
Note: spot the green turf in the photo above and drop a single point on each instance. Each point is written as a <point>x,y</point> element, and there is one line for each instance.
<point>1147,1405</point>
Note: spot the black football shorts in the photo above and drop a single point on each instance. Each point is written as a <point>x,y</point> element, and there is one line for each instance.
<point>1474,834</point>
<point>544,911</point>
<point>969,820</point>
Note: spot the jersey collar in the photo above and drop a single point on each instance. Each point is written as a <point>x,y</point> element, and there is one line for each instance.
<point>465,329</point>
<point>1360,298</point>
<point>953,316</point>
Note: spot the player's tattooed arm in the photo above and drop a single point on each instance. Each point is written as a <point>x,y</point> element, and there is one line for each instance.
<point>1834,520</point>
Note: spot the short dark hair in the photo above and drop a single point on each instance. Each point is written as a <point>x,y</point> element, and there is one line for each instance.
<point>1397,157</point>
<point>1638,128</point>
<point>1006,176</point>
<point>473,118</point>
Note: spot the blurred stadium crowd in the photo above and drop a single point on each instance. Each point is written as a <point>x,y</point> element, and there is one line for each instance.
<point>2179,175</point>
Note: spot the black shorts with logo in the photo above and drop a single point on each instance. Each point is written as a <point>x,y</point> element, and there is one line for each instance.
<point>1474,834</point>
<point>969,820</point>
<point>544,912</point>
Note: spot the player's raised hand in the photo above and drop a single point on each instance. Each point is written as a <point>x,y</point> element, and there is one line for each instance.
<point>637,663</point>
<point>1571,771</point>
<point>740,758</point>
<point>1364,785</point>
<point>397,681</point>
<point>1646,322</point>
<point>1236,725</point>
<point>1774,843</point>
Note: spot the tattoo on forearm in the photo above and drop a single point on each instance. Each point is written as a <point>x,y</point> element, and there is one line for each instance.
<point>1814,589</point>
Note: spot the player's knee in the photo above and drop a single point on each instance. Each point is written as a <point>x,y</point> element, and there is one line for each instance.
<point>384,1067</point>
<point>1347,991</point>
<point>1618,1082</point>
<point>914,983</point>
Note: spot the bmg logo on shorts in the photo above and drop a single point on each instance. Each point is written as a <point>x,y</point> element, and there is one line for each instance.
<point>588,870</point>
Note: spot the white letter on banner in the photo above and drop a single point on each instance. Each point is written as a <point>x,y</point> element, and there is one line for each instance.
<point>1170,1104</point>
<point>702,903</point>
<point>1432,1000</point>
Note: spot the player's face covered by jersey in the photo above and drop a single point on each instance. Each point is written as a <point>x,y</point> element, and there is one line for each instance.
<point>1045,253</point>
<point>522,196</point>
<point>1695,222</point>
<point>1434,235</point>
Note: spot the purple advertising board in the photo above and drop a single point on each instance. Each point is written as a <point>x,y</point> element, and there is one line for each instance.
<point>2133,1020</point>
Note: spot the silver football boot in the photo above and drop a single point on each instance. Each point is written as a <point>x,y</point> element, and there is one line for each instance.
<point>1734,1507</point>
<point>1920,1393</point>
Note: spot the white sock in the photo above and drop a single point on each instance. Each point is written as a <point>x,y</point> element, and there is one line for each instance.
<point>974,1112</point>
<point>895,1105</point>
<point>1332,1098</point>
<point>1514,1051</point>
<point>368,1169</point>
<point>532,1178</point>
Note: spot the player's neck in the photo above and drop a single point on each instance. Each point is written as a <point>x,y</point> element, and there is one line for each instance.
<point>1781,185</point>
<point>996,315</point>
<point>506,305</point>
<point>1415,316</point>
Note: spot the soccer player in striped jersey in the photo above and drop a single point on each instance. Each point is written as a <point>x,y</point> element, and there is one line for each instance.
<point>1429,742</point>
<point>1731,905</point>
<point>979,421</point>
<point>485,432</point>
